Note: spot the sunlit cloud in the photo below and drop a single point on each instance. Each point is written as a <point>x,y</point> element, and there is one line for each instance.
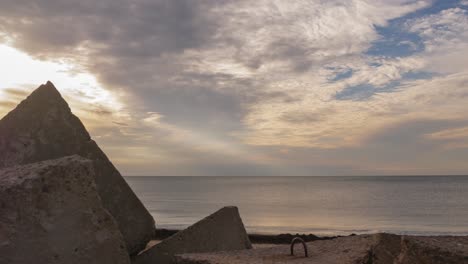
<point>455,133</point>
<point>454,138</point>
<point>255,88</point>
<point>22,73</point>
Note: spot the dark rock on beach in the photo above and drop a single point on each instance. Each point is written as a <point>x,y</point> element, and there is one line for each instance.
<point>43,127</point>
<point>50,212</point>
<point>221,231</point>
<point>439,249</point>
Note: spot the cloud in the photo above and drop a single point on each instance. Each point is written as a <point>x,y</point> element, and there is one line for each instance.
<point>16,93</point>
<point>136,28</point>
<point>455,133</point>
<point>9,98</point>
<point>179,86</point>
<point>436,98</point>
<point>175,38</point>
<point>452,138</point>
<point>445,37</point>
<point>343,124</point>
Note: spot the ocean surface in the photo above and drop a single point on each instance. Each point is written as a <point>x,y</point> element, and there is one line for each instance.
<point>432,205</point>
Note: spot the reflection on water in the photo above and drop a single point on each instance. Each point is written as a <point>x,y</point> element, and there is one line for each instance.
<point>320,205</point>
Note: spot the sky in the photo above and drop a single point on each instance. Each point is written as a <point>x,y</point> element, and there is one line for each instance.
<point>252,88</point>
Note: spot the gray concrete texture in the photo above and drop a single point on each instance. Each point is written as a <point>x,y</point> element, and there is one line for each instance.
<point>42,127</point>
<point>221,231</point>
<point>51,213</point>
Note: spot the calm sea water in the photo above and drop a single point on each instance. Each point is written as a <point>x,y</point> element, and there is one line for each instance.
<point>320,205</point>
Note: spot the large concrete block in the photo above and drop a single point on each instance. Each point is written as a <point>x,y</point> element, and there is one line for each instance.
<point>51,213</point>
<point>434,250</point>
<point>42,127</point>
<point>220,231</point>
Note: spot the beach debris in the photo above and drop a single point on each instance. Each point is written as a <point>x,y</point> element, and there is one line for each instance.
<point>50,212</point>
<point>42,127</point>
<point>221,231</point>
<point>299,240</point>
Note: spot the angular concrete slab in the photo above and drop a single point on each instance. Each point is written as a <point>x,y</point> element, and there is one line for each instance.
<point>221,231</point>
<point>50,212</point>
<point>42,127</point>
<point>439,249</point>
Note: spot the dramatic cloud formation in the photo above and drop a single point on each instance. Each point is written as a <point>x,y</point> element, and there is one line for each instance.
<point>180,87</point>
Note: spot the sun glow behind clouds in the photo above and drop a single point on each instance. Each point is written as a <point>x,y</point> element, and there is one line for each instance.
<point>316,87</point>
<point>22,73</point>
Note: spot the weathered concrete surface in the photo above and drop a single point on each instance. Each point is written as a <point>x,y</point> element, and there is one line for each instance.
<point>221,231</point>
<point>364,249</point>
<point>51,213</point>
<point>43,127</point>
<point>434,250</point>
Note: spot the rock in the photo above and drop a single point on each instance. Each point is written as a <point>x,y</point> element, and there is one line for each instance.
<point>363,249</point>
<point>385,249</point>
<point>434,250</point>
<point>42,127</point>
<point>393,249</point>
<point>220,231</point>
<point>50,212</point>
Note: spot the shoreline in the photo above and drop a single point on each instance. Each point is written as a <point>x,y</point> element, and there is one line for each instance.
<point>279,239</point>
<point>286,238</point>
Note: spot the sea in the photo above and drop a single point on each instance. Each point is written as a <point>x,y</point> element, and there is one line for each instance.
<point>326,206</point>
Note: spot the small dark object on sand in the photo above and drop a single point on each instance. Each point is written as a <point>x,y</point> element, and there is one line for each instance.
<point>300,240</point>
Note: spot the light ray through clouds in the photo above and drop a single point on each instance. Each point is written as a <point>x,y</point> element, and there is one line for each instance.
<point>252,88</point>
<point>21,74</point>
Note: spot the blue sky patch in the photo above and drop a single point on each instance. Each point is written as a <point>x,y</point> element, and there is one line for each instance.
<point>356,93</point>
<point>342,75</point>
<point>395,41</point>
<point>365,91</point>
<point>417,75</point>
